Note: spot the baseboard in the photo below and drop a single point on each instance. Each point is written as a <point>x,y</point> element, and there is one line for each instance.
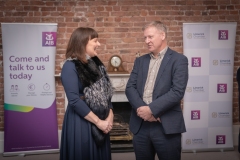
<point>235,137</point>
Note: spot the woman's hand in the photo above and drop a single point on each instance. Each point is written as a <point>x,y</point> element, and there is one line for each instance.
<point>101,124</point>
<point>110,121</point>
<point>104,125</point>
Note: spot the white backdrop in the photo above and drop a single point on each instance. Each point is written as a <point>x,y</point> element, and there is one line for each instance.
<point>208,97</point>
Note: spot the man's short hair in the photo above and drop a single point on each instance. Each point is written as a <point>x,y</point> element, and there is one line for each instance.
<point>158,24</point>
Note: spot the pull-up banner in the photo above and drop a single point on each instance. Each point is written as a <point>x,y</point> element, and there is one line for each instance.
<point>208,97</point>
<point>30,117</point>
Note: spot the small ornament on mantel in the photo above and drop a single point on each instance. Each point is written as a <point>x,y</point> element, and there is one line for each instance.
<point>115,65</point>
<point>138,54</point>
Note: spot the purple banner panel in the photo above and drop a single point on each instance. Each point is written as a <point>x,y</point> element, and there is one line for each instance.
<point>28,131</point>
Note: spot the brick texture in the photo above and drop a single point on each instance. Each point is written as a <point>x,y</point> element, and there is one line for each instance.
<point>119,24</point>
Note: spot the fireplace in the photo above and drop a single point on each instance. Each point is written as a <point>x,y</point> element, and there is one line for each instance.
<point>120,130</point>
<point>120,135</point>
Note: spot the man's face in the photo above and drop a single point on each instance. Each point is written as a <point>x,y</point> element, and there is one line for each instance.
<point>154,39</point>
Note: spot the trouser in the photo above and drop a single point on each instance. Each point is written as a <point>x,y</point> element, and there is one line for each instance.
<point>151,140</point>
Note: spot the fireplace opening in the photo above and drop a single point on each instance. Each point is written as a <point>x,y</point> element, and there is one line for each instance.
<point>120,135</point>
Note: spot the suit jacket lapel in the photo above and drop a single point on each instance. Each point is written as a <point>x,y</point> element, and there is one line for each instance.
<point>163,65</point>
<point>145,71</point>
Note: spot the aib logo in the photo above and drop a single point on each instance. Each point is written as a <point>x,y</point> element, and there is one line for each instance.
<point>221,88</point>
<point>195,115</point>
<point>220,139</point>
<point>196,61</point>
<point>223,34</point>
<point>49,39</point>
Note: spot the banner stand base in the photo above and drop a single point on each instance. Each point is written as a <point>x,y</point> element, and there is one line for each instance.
<point>24,153</point>
<point>208,150</point>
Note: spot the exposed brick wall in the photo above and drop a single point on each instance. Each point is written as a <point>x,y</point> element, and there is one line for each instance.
<point>119,24</point>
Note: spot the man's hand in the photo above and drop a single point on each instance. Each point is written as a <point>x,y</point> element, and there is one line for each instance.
<point>144,112</point>
<point>153,119</point>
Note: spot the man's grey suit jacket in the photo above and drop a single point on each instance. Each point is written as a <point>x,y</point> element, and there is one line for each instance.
<point>168,91</point>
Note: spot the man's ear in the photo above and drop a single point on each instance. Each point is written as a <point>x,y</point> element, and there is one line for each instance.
<point>163,35</point>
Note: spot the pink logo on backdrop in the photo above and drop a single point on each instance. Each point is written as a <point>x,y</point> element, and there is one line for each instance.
<point>196,61</point>
<point>221,88</point>
<point>49,38</point>
<point>195,115</point>
<point>223,34</point>
<point>220,139</point>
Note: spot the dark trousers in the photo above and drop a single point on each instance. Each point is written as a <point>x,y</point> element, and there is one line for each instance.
<point>151,140</point>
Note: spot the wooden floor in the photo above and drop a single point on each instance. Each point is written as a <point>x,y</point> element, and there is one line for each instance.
<point>227,155</point>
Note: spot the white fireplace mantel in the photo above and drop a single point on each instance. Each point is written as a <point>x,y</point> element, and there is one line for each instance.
<point>119,82</point>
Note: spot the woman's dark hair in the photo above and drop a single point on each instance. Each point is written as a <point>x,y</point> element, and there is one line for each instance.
<point>78,41</point>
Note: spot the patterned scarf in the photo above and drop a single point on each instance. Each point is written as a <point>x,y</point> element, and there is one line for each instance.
<point>98,89</point>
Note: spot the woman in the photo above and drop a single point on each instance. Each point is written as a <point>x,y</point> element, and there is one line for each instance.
<point>89,94</point>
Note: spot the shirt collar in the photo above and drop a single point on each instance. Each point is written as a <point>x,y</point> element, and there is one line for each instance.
<point>161,53</point>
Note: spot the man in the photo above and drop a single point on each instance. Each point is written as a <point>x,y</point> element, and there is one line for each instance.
<point>155,89</point>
